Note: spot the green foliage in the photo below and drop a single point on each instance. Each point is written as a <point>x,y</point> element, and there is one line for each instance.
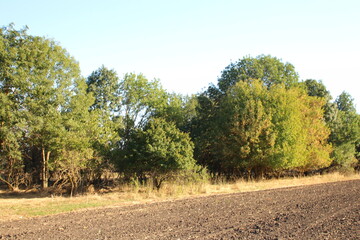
<point>343,122</point>
<point>248,139</point>
<point>344,156</point>
<point>43,97</point>
<point>345,128</point>
<point>180,110</point>
<point>82,130</point>
<point>139,99</point>
<point>260,129</point>
<point>268,69</point>
<point>159,152</point>
<point>55,124</point>
<point>104,84</point>
<point>316,133</point>
<point>203,126</point>
<point>316,89</point>
<point>345,132</point>
<point>345,102</point>
<point>11,162</point>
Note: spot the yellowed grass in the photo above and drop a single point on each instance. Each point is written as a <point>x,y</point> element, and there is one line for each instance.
<point>245,186</point>
<point>23,206</point>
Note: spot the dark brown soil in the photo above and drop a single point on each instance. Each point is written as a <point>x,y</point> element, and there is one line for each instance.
<point>326,211</point>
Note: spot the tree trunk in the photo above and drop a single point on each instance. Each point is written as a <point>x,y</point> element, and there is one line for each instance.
<point>10,186</point>
<point>157,182</point>
<point>249,174</point>
<point>74,184</point>
<point>44,168</point>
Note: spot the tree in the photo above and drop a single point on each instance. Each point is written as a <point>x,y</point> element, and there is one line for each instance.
<point>159,152</point>
<point>316,89</point>
<point>11,125</point>
<point>318,149</point>
<point>12,121</point>
<point>140,98</point>
<point>203,126</point>
<point>245,138</point>
<point>343,122</point>
<point>180,110</point>
<point>345,132</point>
<point>77,153</point>
<point>152,145</point>
<point>104,85</point>
<point>37,77</point>
<point>345,102</point>
<point>257,129</point>
<point>268,69</point>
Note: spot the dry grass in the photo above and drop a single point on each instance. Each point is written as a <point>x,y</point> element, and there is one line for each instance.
<point>245,186</point>
<point>23,205</point>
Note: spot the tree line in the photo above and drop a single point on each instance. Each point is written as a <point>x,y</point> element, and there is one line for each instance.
<point>59,129</point>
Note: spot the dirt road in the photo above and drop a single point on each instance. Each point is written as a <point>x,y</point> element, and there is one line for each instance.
<point>326,211</point>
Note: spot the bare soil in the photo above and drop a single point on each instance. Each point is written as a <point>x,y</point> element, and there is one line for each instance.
<point>323,211</point>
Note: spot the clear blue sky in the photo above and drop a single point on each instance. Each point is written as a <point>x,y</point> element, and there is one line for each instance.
<point>186,44</point>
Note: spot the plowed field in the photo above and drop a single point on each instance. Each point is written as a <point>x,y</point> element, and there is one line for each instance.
<point>324,211</point>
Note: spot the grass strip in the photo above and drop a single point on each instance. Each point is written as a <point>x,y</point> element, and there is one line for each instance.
<point>22,205</point>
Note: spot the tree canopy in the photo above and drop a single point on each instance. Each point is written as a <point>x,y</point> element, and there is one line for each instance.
<point>270,70</point>
<point>37,82</point>
<point>60,130</point>
<point>259,129</point>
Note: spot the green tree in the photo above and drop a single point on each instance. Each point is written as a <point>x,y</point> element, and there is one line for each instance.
<point>12,121</point>
<point>343,122</point>
<point>140,98</point>
<point>160,151</point>
<point>316,89</point>
<point>37,79</point>
<point>245,139</point>
<point>345,103</point>
<point>203,126</point>
<point>345,132</point>
<point>257,129</point>
<point>270,70</point>
<point>11,125</point>
<point>180,110</point>
<point>104,85</point>
<point>77,156</point>
<point>315,130</point>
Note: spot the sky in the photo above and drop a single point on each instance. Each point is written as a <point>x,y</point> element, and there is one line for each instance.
<point>186,44</point>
